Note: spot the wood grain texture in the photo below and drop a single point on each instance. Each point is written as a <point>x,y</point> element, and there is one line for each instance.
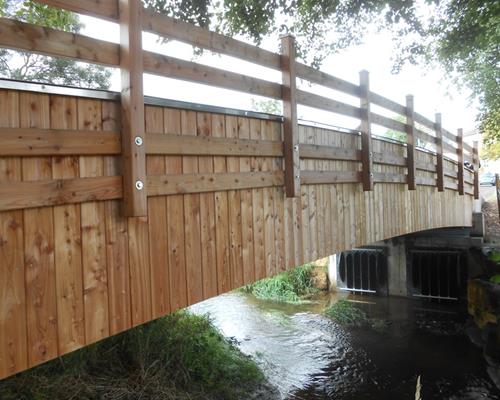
<point>39,245</point>
<point>13,327</point>
<point>67,238</point>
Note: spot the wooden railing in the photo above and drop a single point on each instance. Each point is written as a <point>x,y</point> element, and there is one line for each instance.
<point>136,145</point>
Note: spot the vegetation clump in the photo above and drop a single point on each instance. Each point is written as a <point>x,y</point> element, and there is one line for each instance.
<point>345,313</point>
<point>290,286</point>
<point>181,356</point>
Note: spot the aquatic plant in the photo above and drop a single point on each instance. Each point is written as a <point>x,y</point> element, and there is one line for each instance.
<point>181,356</point>
<point>290,286</point>
<point>345,313</point>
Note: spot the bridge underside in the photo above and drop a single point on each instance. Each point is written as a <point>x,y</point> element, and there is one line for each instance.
<point>74,271</point>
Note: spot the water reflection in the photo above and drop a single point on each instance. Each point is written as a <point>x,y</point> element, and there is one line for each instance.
<point>308,356</point>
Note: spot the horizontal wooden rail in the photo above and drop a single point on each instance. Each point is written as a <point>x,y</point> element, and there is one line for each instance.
<point>426,181</point>
<point>107,9</point>
<point>389,177</point>
<point>321,78</point>
<point>389,159</point>
<point>157,143</point>
<point>425,166</point>
<point>46,142</point>
<point>420,119</point>
<point>38,39</point>
<point>324,103</point>
<point>201,37</point>
<point>29,194</point>
<point>175,29</point>
<point>201,183</point>
<point>328,153</point>
<point>324,177</point>
<point>387,122</point>
<point>425,137</point>
<point>171,67</point>
<point>386,103</point>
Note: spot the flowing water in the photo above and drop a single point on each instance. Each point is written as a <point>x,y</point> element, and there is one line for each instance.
<point>306,355</point>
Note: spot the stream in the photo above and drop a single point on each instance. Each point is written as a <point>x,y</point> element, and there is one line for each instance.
<point>306,355</point>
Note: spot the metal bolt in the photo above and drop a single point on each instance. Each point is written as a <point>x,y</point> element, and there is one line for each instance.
<point>297,177</point>
<point>296,147</point>
<point>371,174</point>
<point>138,141</point>
<point>139,185</point>
<point>371,154</point>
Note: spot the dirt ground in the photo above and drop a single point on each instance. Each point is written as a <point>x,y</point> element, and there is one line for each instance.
<point>491,215</point>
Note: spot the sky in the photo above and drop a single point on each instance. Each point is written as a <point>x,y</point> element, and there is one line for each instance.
<point>431,91</point>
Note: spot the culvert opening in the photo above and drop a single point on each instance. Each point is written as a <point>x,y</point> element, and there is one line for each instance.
<point>439,275</point>
<point>363,271</point>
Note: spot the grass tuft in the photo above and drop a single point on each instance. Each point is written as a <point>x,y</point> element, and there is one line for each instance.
<point>181,356</point>
<point>290,286</point>
<point>347,314</point>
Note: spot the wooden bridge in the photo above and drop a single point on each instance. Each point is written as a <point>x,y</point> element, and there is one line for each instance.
<point>118,209</point>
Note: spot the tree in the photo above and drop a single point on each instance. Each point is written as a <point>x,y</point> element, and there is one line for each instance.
<point>25,66</point>
<point>463,36</point>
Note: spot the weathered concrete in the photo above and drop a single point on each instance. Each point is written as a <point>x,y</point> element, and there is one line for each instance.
<point>396,267</point>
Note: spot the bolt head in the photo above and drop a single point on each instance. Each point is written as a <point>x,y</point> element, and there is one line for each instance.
<point>138,141</point>
<point>139,185</point>
<point>296,147</point>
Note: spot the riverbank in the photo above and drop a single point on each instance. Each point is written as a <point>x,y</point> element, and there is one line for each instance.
<point>181,357</point>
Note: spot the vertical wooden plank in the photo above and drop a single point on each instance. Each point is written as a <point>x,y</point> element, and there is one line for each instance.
<point>269,233</point>
<point>290,126</point>
<point>175,218</point>
<point>192,228</point>
<point>279,202</point>
<point>366,138</point>
<point>410,142</point>
<point>246,211</point>
<point>460,154</point>
<point>306,237</point>
<point>157,223</point>
<point>313,201</point>
<point>95,280</point>
<point>117,257</point>
<point>207,216</point>
<point>221,215</point>
<point>475,161</point>
<point>68,239</point>
<point>140,273</point>
<point>258,208</point>
<point>132,101</point>
<point>13,335</point>
<point>234,199</point>
<point>439,154</point>
<point>39,244</point>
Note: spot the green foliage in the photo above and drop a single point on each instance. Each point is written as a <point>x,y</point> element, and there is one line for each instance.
<point>27,66</point>
<point>181,356</point>
<point>495,279</point>
<point>288,286</point>
<point>347,314</point>
<point>267,106</point>
<point>495,256</point>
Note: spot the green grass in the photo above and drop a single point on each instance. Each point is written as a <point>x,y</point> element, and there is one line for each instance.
<point>181,356</point>
<point>345,313</point>
<point>290,286</point>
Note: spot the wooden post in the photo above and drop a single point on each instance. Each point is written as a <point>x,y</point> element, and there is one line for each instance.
<point>132,102</point>
<point>460,154</point>
<point>291,126</point>
<point>410,142</point>
<point>497,185</point>
<point>439,153</point>
<point>475,161</point>
<point>366,138</point>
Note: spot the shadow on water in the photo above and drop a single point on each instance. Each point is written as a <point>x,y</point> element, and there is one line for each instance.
<point>308,356</point>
